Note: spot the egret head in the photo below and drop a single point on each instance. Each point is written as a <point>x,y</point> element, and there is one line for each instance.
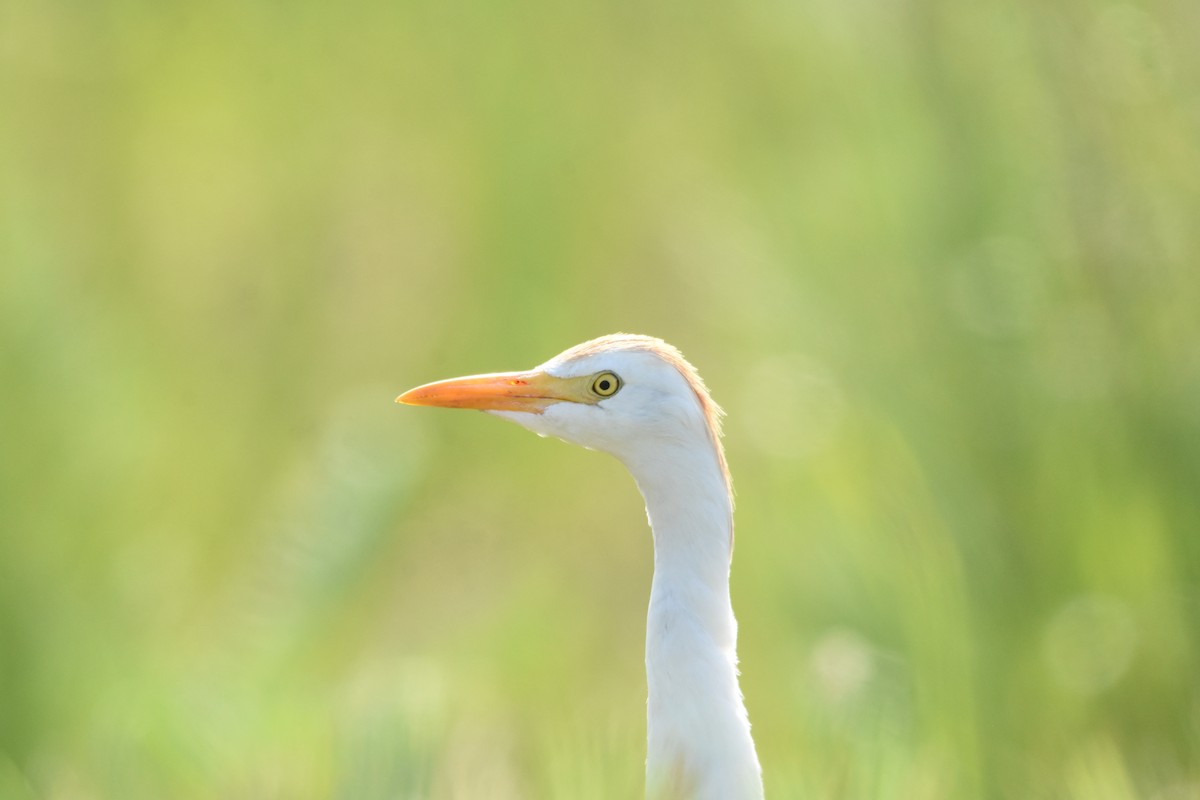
<point>623,394</point>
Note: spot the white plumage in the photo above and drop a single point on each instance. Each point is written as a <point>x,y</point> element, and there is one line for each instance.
<point>637,398</point>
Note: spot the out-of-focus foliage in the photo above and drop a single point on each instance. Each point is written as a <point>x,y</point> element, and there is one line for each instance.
<point>940,261</point>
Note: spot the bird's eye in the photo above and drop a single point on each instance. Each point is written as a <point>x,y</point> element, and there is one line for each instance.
<point>606,384</point>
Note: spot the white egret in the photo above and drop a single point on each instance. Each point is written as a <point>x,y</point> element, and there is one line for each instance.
<point>637,398</point>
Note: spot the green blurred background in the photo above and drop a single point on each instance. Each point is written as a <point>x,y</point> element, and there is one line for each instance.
<point>939,261</point>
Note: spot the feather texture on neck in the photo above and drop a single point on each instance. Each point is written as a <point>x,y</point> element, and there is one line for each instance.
<point>699,743</point>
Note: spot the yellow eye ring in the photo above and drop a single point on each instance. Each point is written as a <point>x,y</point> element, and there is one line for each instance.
<point>606,384</point>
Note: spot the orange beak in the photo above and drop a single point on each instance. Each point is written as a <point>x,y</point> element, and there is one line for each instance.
<point>531,392</point>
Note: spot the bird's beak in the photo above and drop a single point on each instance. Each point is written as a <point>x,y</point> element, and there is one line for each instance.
<point>531,392</point>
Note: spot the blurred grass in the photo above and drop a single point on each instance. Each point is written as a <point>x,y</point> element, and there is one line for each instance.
<point>938,261</point>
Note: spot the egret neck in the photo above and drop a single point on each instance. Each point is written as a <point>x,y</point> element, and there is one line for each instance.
<point>698,733</point>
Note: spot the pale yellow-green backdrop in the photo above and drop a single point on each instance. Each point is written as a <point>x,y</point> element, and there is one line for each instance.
<point>940,262</point>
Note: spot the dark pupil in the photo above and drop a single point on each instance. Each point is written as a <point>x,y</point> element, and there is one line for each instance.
<point>604,384</point>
